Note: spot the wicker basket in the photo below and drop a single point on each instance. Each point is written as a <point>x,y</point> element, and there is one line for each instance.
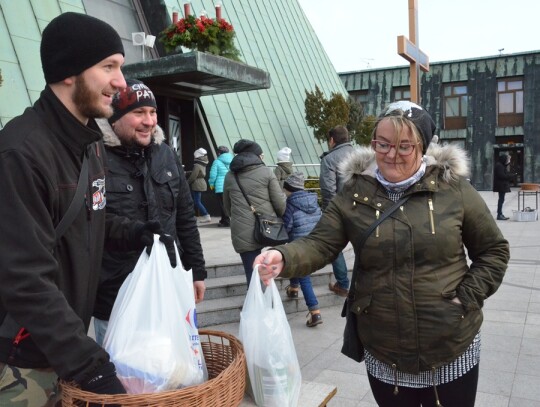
<point>226,364</point>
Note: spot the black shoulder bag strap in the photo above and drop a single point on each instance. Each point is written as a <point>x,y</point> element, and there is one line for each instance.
<point>366,234</point>
<point>244,193</point>
<point>76,202</point>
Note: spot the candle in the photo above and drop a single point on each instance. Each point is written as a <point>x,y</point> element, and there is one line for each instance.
<point>186,10</point>
<point>175,17</point>
<point>218,12</point>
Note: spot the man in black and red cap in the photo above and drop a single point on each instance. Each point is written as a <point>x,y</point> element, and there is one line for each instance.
<point>49,279</point>
<point>145,182</point>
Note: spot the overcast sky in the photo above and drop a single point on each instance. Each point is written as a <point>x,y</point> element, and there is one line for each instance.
<point>361,34</point>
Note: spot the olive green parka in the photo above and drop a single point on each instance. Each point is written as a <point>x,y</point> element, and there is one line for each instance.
<point>415,262</point>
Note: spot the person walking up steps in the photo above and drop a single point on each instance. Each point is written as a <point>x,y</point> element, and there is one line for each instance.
<point>198,184</point>
<point>301,215</point>
<point>216,179</point>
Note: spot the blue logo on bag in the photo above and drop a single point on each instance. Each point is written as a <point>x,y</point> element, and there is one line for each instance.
<point>191,318</point>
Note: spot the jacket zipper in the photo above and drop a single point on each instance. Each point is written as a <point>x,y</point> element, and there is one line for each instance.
<point>377,214</point>
<point>431,220</point>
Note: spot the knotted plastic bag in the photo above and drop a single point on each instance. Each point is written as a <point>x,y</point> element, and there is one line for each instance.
<point>273,368</point>
<point>152,336</point>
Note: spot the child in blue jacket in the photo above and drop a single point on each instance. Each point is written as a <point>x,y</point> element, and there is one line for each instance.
<point>301,216</point>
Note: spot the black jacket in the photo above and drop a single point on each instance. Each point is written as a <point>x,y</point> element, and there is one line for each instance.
<point>49,287</point>
<point>501,177</point>
<point>146,184</point>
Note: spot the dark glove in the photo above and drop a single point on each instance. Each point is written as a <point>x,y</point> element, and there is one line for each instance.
<point>143,234</point>
<point>168,241</point>
<point>144,237</point>
<point>104,381</point>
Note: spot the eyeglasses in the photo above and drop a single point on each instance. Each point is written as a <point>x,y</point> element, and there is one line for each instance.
<point>384,147</point>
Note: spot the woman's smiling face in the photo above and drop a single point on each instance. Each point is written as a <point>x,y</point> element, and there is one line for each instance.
<point>396,167</point>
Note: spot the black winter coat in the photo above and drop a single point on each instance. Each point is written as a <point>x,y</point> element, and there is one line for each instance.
<point>49,287</point>
<point>501,177</point>
<point>146,184</point>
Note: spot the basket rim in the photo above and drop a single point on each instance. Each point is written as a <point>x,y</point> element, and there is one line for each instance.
<point>238,363</point>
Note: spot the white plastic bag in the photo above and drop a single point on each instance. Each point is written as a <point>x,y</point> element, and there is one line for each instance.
<point>273,368</point>
<point>152,336</point>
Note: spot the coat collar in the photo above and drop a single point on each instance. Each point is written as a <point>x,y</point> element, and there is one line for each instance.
<point>69,130</point>
<point>111,139</point>
<point>451,160</point>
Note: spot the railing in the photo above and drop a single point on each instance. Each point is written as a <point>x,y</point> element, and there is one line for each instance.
<point>306,177</point>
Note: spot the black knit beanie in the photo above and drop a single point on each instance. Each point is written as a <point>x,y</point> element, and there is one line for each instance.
<point>247,146</point>
<point>74,42</point>
<point>416,114</point>
<point>135,95</point>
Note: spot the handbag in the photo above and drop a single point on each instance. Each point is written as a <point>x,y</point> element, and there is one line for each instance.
<point>352,345</point>
<point>269,230</point>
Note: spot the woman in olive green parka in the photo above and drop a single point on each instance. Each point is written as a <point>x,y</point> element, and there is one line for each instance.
<point>418,297</point>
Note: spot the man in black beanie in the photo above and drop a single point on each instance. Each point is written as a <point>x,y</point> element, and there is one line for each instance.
<point>51,255</point>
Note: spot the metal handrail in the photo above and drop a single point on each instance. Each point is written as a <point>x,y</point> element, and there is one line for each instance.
<point>308,178</point>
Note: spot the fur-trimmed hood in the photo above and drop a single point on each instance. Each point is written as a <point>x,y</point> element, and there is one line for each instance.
<point>110,139</point>
<point>453,161</point>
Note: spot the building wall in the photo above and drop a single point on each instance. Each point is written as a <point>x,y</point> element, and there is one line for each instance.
<point>272,35</point>
<point>482,137</point>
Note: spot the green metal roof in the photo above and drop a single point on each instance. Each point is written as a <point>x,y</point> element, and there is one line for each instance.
<point>274,36</point>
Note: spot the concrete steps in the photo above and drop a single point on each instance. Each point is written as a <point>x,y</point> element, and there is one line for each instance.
<point>226,289</point>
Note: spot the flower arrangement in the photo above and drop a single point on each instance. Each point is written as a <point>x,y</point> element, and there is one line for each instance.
<point>215,36</point>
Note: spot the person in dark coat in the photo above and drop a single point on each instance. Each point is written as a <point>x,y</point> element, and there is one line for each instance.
<point>501,182</point>
<point>49,282</point>
<point>340,148</point>
<point>145,181</point>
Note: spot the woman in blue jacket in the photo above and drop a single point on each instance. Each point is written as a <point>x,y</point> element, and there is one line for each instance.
<point>219,168</point>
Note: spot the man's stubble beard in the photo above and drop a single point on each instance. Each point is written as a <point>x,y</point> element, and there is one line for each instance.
<point>88,102</point>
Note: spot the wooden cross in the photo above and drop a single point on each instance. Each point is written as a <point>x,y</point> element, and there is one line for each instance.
<point>408,49</point>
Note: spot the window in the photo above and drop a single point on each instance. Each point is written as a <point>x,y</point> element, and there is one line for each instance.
<point>510,102</point>
<point>359,96</point>
<point>402,93</point>
<point>455,106</point>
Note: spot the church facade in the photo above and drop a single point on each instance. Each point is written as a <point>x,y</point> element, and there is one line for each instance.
<point>490,106</point>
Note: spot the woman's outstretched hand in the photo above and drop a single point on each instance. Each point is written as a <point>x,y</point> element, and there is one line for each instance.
<point>270,265</point>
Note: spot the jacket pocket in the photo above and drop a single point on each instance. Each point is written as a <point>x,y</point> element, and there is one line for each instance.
<point>167,188</point>
<point>361,305</point>
<point>120,196</point>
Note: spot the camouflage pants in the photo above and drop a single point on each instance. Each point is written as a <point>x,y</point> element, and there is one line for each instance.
<point>27,387</point>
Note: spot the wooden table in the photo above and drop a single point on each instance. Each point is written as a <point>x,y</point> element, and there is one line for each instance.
<point>528,190</point>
